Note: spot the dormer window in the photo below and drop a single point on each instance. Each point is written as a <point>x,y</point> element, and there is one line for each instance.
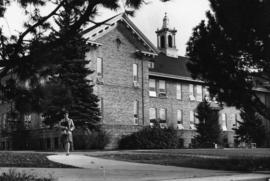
<point>151,65</point>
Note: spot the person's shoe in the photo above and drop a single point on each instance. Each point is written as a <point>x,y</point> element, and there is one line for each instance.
<point>67,154</point>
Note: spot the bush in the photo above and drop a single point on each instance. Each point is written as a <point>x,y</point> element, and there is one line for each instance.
<point>12,175</point>
<point>91,140</point>
<point>151,138</point>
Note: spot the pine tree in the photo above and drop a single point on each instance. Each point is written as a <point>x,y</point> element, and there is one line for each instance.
<point>251,129</point>
<point>208,128</point>
<point>69,87</point>
<point>230,51</point>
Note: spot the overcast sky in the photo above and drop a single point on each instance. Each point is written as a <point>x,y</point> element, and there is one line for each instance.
<point>184,15</point>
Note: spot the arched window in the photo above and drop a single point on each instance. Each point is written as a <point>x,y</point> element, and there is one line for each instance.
<point>162,42</point>
<point>170,41</point>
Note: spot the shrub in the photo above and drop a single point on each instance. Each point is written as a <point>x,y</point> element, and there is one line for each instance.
<point>12,175</point>
<point>91,140</point>
<point>151,138</point>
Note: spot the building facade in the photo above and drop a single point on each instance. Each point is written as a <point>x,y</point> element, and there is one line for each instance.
<point>137,84</point>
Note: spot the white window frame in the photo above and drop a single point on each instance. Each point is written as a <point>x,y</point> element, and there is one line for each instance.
<point>179,91</point>
<point>163,122</point>
<point>151,65</point>
<point>100,104</point>
<point>191,92</point>
<point>152,90</point>
<point>199,93</point>
<point>136,112</point>
<point>99,67</point>
<point>135,72</point>
<point>224,122</point>
<point>162,87</point>
<point>179,118</point>
<point>192,120</point>
<point>155,115</point>
<point>161,111</point>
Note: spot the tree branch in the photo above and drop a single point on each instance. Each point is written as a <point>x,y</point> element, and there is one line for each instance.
<point>20,40</point>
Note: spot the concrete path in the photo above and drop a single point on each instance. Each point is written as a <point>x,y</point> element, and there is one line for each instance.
<point>98,169</point>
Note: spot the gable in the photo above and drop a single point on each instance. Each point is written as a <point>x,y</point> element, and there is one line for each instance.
<point>119,21</point>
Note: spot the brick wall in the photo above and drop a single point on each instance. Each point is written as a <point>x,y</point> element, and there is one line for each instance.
<point>116,132</point>
<point>117,91</point>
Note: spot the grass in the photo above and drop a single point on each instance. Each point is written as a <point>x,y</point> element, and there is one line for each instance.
<point>12,175</point>
<point>19,159</point>
<point>219,159</point>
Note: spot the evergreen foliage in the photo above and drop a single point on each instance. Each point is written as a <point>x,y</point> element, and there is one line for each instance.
<point>46,62</point>
<point>251,129</point>
<point>208,128</point>
<point>69,87</point>
<point>230,52</point>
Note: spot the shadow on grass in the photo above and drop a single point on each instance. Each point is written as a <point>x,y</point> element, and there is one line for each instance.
<point>13,175</point>
<point>13,159</point>
<point>244,163</point>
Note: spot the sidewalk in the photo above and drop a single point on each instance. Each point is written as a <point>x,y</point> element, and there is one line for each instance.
<point>98,169</point>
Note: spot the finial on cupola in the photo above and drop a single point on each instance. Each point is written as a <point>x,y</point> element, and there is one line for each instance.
<point>165,21</point>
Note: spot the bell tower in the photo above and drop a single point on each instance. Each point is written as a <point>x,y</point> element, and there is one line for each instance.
<point>166,38</point>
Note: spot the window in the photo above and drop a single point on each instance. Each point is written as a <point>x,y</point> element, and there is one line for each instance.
<point>178,91</point>
<point>100,105</point>
<point>233,118</point>
<point>170,41</point>
<point>224,122</point>
<point>135,72</point>
<point>152,88</point>
<point>192,120</point>
<point>99,67</point>
<point>206,93</point>
<point>162,42</point>
<point>162,118</point>
<point>27,121</point>
<point>191,92</point>
<point>180,119</point>
<point>199,93</point>
<point>152,115</point>
<point>162,115</point>
<point>162,87</point>
<point>196,119</point>
<point>151,65</point>
<point>136,112</point>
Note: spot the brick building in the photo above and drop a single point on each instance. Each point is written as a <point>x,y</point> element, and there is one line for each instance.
<point>138,83</point>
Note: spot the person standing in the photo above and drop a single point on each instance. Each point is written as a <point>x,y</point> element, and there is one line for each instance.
<point>67,127</point>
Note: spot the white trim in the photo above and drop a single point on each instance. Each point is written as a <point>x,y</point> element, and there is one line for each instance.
<point>139,34</point>
<point>174,77</point>
<point>92,43</point>
<point>146,53</point>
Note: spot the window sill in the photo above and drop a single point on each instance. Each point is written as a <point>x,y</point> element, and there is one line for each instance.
<point>163,97</point>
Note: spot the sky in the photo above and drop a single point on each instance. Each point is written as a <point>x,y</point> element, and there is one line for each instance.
<point>183,15</point>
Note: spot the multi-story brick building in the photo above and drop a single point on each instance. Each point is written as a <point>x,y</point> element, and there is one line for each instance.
<point>138,83</point>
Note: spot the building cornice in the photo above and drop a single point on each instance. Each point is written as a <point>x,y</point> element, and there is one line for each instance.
<point>177,77</point>
<point>146,53</point>
<point>93,43</point>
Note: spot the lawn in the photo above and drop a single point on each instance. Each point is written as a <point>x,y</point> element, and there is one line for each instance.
<point>220,159</point>
<point>27,159</point>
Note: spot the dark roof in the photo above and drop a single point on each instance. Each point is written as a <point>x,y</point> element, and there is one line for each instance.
<point>170,65</point>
